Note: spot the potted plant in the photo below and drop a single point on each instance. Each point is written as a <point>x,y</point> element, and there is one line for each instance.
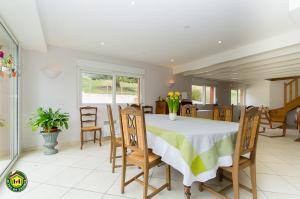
<point>173,100</point>
<point>51,122</point>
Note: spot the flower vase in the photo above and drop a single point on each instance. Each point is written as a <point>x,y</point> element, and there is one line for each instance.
<point>172,116</point>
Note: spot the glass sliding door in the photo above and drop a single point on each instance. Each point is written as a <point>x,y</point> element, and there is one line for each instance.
<point>9,141</point>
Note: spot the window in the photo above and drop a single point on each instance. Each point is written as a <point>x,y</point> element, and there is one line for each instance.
<point>203,94</point>
<point>236,96</point>
<point>128,90</point>
<point>197,94</point>
<point>9,100</point>
<point>210,95</point>
<point>97,88</point>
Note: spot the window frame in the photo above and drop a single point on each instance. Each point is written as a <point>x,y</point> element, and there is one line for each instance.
<point>204,93</point>
<point>240,97</point>
<point>84,66</point>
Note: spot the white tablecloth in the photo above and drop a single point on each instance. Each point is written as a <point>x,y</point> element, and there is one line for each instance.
<point>195,147</point>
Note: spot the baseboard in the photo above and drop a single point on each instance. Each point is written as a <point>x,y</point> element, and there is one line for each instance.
<point>62,145</point>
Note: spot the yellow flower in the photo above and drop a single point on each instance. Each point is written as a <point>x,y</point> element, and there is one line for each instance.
<point>177,93</point>
<point>171,94</point>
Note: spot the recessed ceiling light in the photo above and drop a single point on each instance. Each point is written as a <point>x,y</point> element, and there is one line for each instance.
<point>219,42</point>
<point>102,43</point>
<point>132,3</point>
<point>234,73</point>
<point>171,60</point>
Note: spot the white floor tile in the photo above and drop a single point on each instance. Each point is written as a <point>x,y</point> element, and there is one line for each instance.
<point>68,177</point>
<point>45,192</point>
<point>274,183</point>
<point>81,194</point>
<point>281,196</point>
<point>98,181</point>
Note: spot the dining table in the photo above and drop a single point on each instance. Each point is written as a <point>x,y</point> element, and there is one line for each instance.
<point>196,147</point>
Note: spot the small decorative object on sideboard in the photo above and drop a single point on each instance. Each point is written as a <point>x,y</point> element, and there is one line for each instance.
<point>173,100</point>
<point>51,122</point>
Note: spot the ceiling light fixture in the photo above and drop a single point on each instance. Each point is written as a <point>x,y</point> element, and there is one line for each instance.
<point>102,43</point>
<point>171,60</point>
<point>132,3</point>
<point>219,42</point>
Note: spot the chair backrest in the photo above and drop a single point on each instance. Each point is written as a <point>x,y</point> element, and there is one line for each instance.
<point>246,141</point>
<point>88,116</point>
<point>228,114</point>
<point>216,113</point>
<point>132,122</point>
<point>111,122</point>
<point>148,109</point>
<point>188,110</point>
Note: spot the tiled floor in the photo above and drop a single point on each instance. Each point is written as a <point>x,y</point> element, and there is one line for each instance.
<point>86,174</point>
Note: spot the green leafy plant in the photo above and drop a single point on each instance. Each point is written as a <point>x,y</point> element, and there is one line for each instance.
<point>49,120</point>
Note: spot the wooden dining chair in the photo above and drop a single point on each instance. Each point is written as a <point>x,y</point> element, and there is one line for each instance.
<point>148,109</point>
<point>115,141</point>
<point>134,138</point>
<point>216,113</point>
<point>228,113</point>
<point>88,122</point>
<point>298,123</point>
<point>246,143</point>
<point>135,105</point>
<point>188,110</point>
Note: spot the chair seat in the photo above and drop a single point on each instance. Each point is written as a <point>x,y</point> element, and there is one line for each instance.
<point>91,128</point>
<point>244,162</point>
<point>137,159</point>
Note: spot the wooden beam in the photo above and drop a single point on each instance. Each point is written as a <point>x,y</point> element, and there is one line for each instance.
<point>283,78</point>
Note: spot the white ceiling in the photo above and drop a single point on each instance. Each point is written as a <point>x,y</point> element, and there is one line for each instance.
<point>156,31</point>
<point>153,31</point>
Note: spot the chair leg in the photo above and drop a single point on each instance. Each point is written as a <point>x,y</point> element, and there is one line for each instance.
<point>253,179</point>
<point>201,186</point>
<point>235,183</point>
<point>114,152</point>
<point>146,178</point>
<point>124,164</point>
<point>100,142</point>
<point>283,129</point>
<point>81,140</point>
<point>94,136</point>
<point>168,176</point>
<point>220,175</point>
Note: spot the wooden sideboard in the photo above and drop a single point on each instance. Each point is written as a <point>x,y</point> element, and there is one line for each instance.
<point>161,107</point>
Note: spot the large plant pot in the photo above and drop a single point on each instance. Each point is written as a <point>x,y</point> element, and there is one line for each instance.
<point>50,142</point>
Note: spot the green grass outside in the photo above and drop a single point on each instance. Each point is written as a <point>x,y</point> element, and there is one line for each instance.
<point>104,86</point>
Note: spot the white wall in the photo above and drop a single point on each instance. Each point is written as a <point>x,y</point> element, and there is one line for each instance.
<point>38,90</point>
<point>276,94</point>
<point>258,94</point>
